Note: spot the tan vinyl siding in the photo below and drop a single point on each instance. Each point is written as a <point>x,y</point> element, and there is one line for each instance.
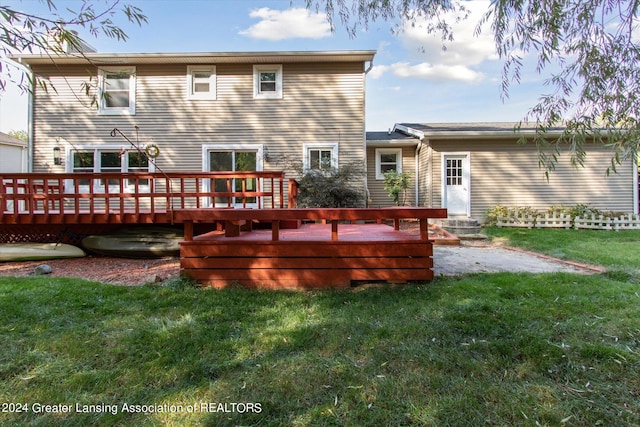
<point>507,173</point>
<point>378,197</point>
<point>322,103</point>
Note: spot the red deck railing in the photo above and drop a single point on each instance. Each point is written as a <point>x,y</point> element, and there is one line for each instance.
<point>129,197</point>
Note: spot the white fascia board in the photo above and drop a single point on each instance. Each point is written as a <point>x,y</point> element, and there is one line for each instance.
<point>409,131</point>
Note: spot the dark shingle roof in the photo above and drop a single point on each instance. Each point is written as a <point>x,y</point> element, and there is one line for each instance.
<point>388,136</point>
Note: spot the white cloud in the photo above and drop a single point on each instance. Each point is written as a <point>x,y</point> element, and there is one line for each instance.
<point>287,24</point>
<point>461,58</point>
<point>466,49</point>
<point>378,70</point>
<point>438,72</point>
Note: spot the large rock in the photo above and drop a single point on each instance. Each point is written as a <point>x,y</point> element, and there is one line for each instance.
<point>42,269</point>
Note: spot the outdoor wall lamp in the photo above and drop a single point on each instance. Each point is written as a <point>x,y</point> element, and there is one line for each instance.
<point>57,160</point>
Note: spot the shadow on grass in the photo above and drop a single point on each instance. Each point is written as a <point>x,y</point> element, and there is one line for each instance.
<point>503,348</point>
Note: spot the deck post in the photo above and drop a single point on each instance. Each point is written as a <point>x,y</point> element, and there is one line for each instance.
<point>275,230</point>
<point>424,228</point>
<point>334,229</point>
<point>188,231</point>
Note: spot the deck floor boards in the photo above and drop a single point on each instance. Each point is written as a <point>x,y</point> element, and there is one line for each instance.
<point>308,257</point>
<point>321,233</point>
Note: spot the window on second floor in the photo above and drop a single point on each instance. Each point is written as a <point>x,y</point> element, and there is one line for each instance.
<point>267,81</point>
<point>388,159</point>
<point>117,90</point>
<point>201,82</point>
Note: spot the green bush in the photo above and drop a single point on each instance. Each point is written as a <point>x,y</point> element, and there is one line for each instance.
<point>580,210</point>
<point>494,212</point>
<point>336,188</point>
<point>396,183</point>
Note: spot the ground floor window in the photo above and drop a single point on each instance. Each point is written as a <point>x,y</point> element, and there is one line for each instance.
<point>388,159</point>
<point>320,157</point>
<point>107,160</point>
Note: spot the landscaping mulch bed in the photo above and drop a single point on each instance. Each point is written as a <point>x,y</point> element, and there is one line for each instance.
<point>117,271</point>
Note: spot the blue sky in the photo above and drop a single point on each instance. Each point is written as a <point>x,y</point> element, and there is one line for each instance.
<point>412,79</point>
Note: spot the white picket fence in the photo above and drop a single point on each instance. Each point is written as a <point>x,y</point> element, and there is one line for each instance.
<point>625,222</point>
<point>555,220</point>
<point>522,221</point>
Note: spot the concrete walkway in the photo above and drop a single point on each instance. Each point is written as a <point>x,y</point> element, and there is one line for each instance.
<point>456,260</point>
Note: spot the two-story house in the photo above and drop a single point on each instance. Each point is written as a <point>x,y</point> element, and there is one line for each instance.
<point>268,111</point>
<point>198,111</point>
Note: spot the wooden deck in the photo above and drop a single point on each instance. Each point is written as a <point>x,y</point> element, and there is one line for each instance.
<point>308,257</point>
<point>335,254</point>
<point>300,248</point>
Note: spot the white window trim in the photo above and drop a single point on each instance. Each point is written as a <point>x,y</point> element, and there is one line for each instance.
<point>380,152</point>
<point>102,109</point>
<point>96,166</point>
<point>265,68</point>
<point>212,94</point>
<point>206,148</point>
<point>306,147</point>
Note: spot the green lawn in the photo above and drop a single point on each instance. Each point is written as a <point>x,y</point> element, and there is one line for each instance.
<point>499,349</point>
<point>615,250</point>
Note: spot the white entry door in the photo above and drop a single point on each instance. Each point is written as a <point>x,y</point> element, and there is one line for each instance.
<point>455,183</point>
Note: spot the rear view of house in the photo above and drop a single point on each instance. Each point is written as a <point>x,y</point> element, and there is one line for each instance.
<point>199,111</point>
<point>150,137</point>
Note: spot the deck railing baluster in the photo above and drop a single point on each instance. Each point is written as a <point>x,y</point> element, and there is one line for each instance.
<point>182,191</point>
<point>244,189</point>
<point>92,206</point>
<point>197,186</point>
<point>3,199</point>
<point>107,206</point>
<point>122,193</point>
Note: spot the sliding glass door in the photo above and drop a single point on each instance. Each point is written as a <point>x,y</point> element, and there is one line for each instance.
<point>234,161</point>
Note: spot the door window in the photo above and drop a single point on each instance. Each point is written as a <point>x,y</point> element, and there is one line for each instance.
<point>454,172</point>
